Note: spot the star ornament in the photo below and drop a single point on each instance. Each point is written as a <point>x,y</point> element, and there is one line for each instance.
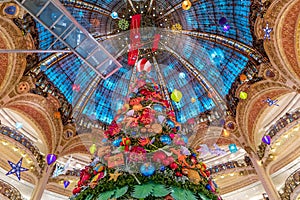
<point>16,169</point>
<point>267,31</point>
<point>114,176</point>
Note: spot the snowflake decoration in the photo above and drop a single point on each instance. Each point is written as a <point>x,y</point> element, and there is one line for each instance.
<point>271,102</point>
<point>267,31</point>
<point>123,24</point>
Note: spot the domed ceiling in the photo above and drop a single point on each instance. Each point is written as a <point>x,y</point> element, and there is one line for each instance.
<point>200,68</point>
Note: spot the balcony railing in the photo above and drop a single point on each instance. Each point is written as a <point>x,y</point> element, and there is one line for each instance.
<point>9,191</point>
<point>45,87</point>
<point>282,123</point>
<point>230,165</point>
<point>26,142</point>
<point>291,183</point>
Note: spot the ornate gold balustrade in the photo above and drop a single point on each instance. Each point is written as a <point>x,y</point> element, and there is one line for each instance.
<point>45,87</point>
<point>231,165</point>
<point>9,191</point>
<point>24,141</point>
<point>289,120</point>
<point>291,183</point>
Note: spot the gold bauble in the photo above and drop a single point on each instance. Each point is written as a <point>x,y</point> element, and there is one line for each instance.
<point>186,5</point>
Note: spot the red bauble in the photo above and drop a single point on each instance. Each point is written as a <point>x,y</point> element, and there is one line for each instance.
<point>207,173</point>
<point>178,174</point>
<point>173,166</point>
<point>193,159</point>
<point>85,178</point>
<point>79,184</point>
<point>76,190</point>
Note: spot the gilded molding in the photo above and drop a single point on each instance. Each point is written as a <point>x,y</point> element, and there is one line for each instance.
<point>254,106</point>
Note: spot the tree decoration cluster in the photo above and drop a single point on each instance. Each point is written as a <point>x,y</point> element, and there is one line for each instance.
<point>144,153</point>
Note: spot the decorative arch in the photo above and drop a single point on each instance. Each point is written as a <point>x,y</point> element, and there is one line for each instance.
<point>40,112</point>
<point>12,66</point>
<point>283,49</point>
<point>250,110</point>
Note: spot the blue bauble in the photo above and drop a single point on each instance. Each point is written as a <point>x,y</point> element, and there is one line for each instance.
<point>114,15</point>
<point>170,123</point>
<point>162,168</point>
<point>117,142</point>
<point>166,139</point>
<point>147,169</point>
<point>208,187</point>
<point>158,108</point>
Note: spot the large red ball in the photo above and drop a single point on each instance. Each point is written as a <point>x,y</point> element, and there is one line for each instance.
<point>76,190</point>
<point>173,166</point>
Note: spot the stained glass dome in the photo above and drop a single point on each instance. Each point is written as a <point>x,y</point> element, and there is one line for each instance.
<point>200,67</point>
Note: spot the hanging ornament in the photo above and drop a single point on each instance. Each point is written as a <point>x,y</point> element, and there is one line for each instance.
<point>173,165</point>
<point>117,142</point>
<point>76,190</point>
<point>114,15</point>
<point>16,168</point>
<point>176,95</point>
<point>161,118</point>
<point>166,139</point>
<point>93,148</point>
<point>186,5</point>
<point>18,125</point>
<point>170,123</point>
<point>243,95</point>
<point>222,21</point>
<point>66,184</point>
<point>193,100</point>
<point>76,87</point>
<point>233,148</point>
<point>266,139</point>
<point>243,77</point>
<point>123,24</point>
<point>226,27</point>
<point>147,169</point>
<point>130,113</point>
<point>267,31</point>
<point>51,158</point>
<point>271,102</point>
<point>181,75</point>
<point>57,115</point>
<point>143,65</point>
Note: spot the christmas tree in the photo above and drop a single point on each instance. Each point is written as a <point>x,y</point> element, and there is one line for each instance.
<point>144,154</point>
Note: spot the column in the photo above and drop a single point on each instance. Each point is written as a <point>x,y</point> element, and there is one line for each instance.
<point>42,183</point>
<point>265,178</point>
